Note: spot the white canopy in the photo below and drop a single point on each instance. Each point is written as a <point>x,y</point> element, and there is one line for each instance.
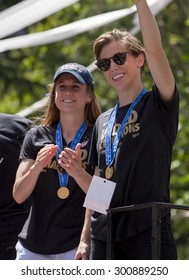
<point>10,20</point>
<point>27,12</point>
<point>63,32</point>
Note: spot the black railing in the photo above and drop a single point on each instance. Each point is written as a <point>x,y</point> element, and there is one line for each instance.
<point>156,225</point>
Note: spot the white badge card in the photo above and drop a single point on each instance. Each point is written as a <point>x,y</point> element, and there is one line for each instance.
<point>99,195</point>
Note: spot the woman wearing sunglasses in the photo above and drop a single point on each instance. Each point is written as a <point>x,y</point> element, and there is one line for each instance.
<point>132,143</point>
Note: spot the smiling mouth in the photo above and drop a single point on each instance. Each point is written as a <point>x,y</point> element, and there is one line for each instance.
<point>68,101</point>
<point>118,77</point>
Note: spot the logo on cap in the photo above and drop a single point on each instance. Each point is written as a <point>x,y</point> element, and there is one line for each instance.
<point>79,71</point>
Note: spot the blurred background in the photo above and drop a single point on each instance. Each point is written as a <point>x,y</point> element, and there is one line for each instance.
<point>37,36</point>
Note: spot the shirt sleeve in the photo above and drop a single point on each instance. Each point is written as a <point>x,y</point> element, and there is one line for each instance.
<point>27,150</point>
<point>173,104</point>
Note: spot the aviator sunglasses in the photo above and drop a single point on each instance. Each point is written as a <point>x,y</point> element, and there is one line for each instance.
<point>104,63</point>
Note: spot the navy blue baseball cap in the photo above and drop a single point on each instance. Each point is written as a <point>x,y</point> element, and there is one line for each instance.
<point>79,71</point>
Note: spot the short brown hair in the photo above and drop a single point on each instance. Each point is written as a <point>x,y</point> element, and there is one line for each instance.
<point>133,44</point>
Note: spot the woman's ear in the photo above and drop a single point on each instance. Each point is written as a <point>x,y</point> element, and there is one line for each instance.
<point>140,60</point>
<point>89,98</point>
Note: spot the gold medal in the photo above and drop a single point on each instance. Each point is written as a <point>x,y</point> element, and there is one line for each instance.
<point>63,192</point>
<point>109,172</point>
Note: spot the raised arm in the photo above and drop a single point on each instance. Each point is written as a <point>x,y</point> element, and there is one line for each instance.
<point>156,58</point>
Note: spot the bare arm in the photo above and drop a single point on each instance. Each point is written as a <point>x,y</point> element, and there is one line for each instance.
<point>28,173</point>
<point>156,58</point>
<point>84,247</point>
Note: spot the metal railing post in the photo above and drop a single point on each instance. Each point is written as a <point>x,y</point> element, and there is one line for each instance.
<point>110,239</point>
<point>156,232</point>
<point>156,225</point>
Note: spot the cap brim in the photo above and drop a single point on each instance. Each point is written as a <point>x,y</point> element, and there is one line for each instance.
<point>74,73</point>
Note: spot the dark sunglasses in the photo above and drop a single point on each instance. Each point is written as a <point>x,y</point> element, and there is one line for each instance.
<point>104,63</point>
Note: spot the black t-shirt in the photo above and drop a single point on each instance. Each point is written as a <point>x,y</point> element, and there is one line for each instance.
<point>142,162</point>
<point>12,131</point>
<point>54,225</point>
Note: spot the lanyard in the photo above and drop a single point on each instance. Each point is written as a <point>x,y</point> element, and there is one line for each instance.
<point>63,177</point>
<point>110,150</point>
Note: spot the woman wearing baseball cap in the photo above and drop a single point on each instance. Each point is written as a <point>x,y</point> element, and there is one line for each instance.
<point>52,230</point>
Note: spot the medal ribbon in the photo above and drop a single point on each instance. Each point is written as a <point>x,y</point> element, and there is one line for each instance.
<point>63,177</point>
<point>110,150</point>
